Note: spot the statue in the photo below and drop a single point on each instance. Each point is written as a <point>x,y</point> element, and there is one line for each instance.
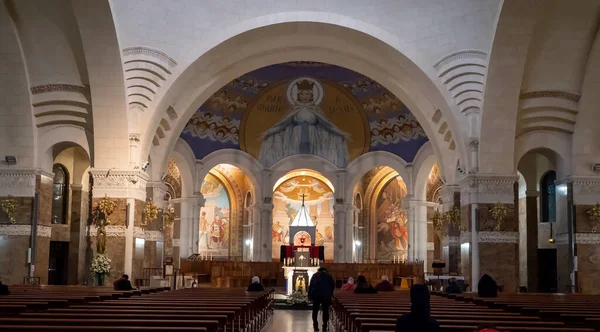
<point>300,284</point>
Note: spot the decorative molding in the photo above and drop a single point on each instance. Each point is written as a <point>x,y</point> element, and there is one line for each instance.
<point>111,231</point>
<point>453,241</point>
<point>551,94</point>
<point>138,232</point>
<point>499,237</point>
<point>487,189</point>
<point>587,238</point>
<point>143,50</point>
<point>120,184</point>
<point>586,190</point>
<point>465,237</point>
<point>153,235</point>
<point>463,54</point>
<point>25,230</point>
<point>580,238</point>
<point>58,88</point>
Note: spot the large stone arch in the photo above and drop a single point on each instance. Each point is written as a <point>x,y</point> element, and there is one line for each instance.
<point>240,159</point>
<point>58,138</point>
<point>361,165</point>
<point>502,89</point>
<point>559,144</point>
<point>185,160</point>
<point>295,162</point>
<point>270,43</point>
<point>423,164</point>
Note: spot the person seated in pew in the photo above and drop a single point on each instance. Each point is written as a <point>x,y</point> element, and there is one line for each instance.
<point>255,285</point>
<point>418,319</point>
<point>487,287</point>
<point>123,284</point>
<point>349,285</point>
<point>363,287</point>
<point>453,287</point>
<point>385,285</point>
<point>3,288</point>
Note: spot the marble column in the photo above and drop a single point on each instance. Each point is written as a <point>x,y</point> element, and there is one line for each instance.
<point>531,240</point>
<point>340,234</point>
<point>578,256</point>
<point>451,243</point>
<point>493,251</point>
<point>197,205</point>
<point>123,187</point>
<point>18,237</point>
<point>420,224</point>
<point>79,220</point>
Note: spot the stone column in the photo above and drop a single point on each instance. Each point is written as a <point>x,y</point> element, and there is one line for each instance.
<point>16,238</point>
<point>341,237</point>
<point>565,237</point>
<point>493,251</point>
<point>420,224</point>
<point>451,242</point>
<point>177,250</point>
<point>79,220</point>
<point>123,187</point>
<point>197,205</point>
<point>531,240</point>
<point>155,237</point>
<point>266,225</point>
<point>586,194</point>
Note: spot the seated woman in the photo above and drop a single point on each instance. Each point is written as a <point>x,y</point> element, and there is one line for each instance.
<point>385,285</point>
<point>255,285</point>
<point>349,285</point>
<point>363,287</point>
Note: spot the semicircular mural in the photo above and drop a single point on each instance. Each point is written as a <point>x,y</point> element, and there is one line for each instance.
<point>304,108</point>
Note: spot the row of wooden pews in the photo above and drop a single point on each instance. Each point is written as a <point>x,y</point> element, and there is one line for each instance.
<point>378,313</point>
<point>575,310</point>
<point>101,309</point>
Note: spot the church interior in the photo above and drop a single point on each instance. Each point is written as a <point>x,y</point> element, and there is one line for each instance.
<point>194,145</point>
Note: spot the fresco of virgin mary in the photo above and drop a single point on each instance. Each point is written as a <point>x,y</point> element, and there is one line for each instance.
<point>305,129</point>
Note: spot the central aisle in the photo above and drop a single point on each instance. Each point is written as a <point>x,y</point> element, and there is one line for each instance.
<point>290,321</point>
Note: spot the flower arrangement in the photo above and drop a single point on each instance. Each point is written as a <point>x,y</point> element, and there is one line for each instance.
<point>594,215</point>
<point>9,206</point>
<point>499,212</point>
<point>101,265</point>
<point>100,268</point>
<point>169,216</point>
<point>298,298</point>
<point>151,211</point>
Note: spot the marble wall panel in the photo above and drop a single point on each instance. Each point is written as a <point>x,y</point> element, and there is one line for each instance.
<point>13,260</point>
<point>588,256</point>
<point>500,261</point>
<point>42,259</point>
<point>44,190</point>
<point>23,214</point>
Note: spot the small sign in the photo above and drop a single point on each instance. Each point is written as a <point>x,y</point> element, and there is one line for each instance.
<point>168,270</point>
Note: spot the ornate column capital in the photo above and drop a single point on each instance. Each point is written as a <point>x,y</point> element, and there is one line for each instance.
<point>134,138</point>
<point>488,189</point>
<point>198,200</point>
<point>473,144</point>
<point>119,183</point>
<point>586,190</point>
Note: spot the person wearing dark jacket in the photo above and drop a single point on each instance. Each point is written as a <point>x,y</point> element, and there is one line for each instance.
<point>418,319</point>
<point>320,292</point>
<point>255,285</point>
<point>123,283</point>
<point>453,287</point>
<point>385,285</point>
<point>487,287</point>
<point>3,289</point>
<point>363,287</point>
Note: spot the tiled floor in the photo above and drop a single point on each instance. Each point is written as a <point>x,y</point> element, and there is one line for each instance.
<point>290,321</point>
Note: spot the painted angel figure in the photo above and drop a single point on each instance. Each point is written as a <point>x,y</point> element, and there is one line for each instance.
<point>305,129</point>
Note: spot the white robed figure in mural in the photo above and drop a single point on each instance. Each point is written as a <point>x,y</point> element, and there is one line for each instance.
<point>305,129</point>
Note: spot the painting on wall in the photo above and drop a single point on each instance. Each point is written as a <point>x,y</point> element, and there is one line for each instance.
<point>392,229</point>
<point>304,108</point>
<point>215,218</point>
<point>287,200</point>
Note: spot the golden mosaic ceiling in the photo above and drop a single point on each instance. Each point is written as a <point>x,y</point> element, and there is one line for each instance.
<point>294,188</point>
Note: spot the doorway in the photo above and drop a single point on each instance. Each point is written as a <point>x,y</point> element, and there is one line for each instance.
<point>547,271</point>
<point>59,263</point>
